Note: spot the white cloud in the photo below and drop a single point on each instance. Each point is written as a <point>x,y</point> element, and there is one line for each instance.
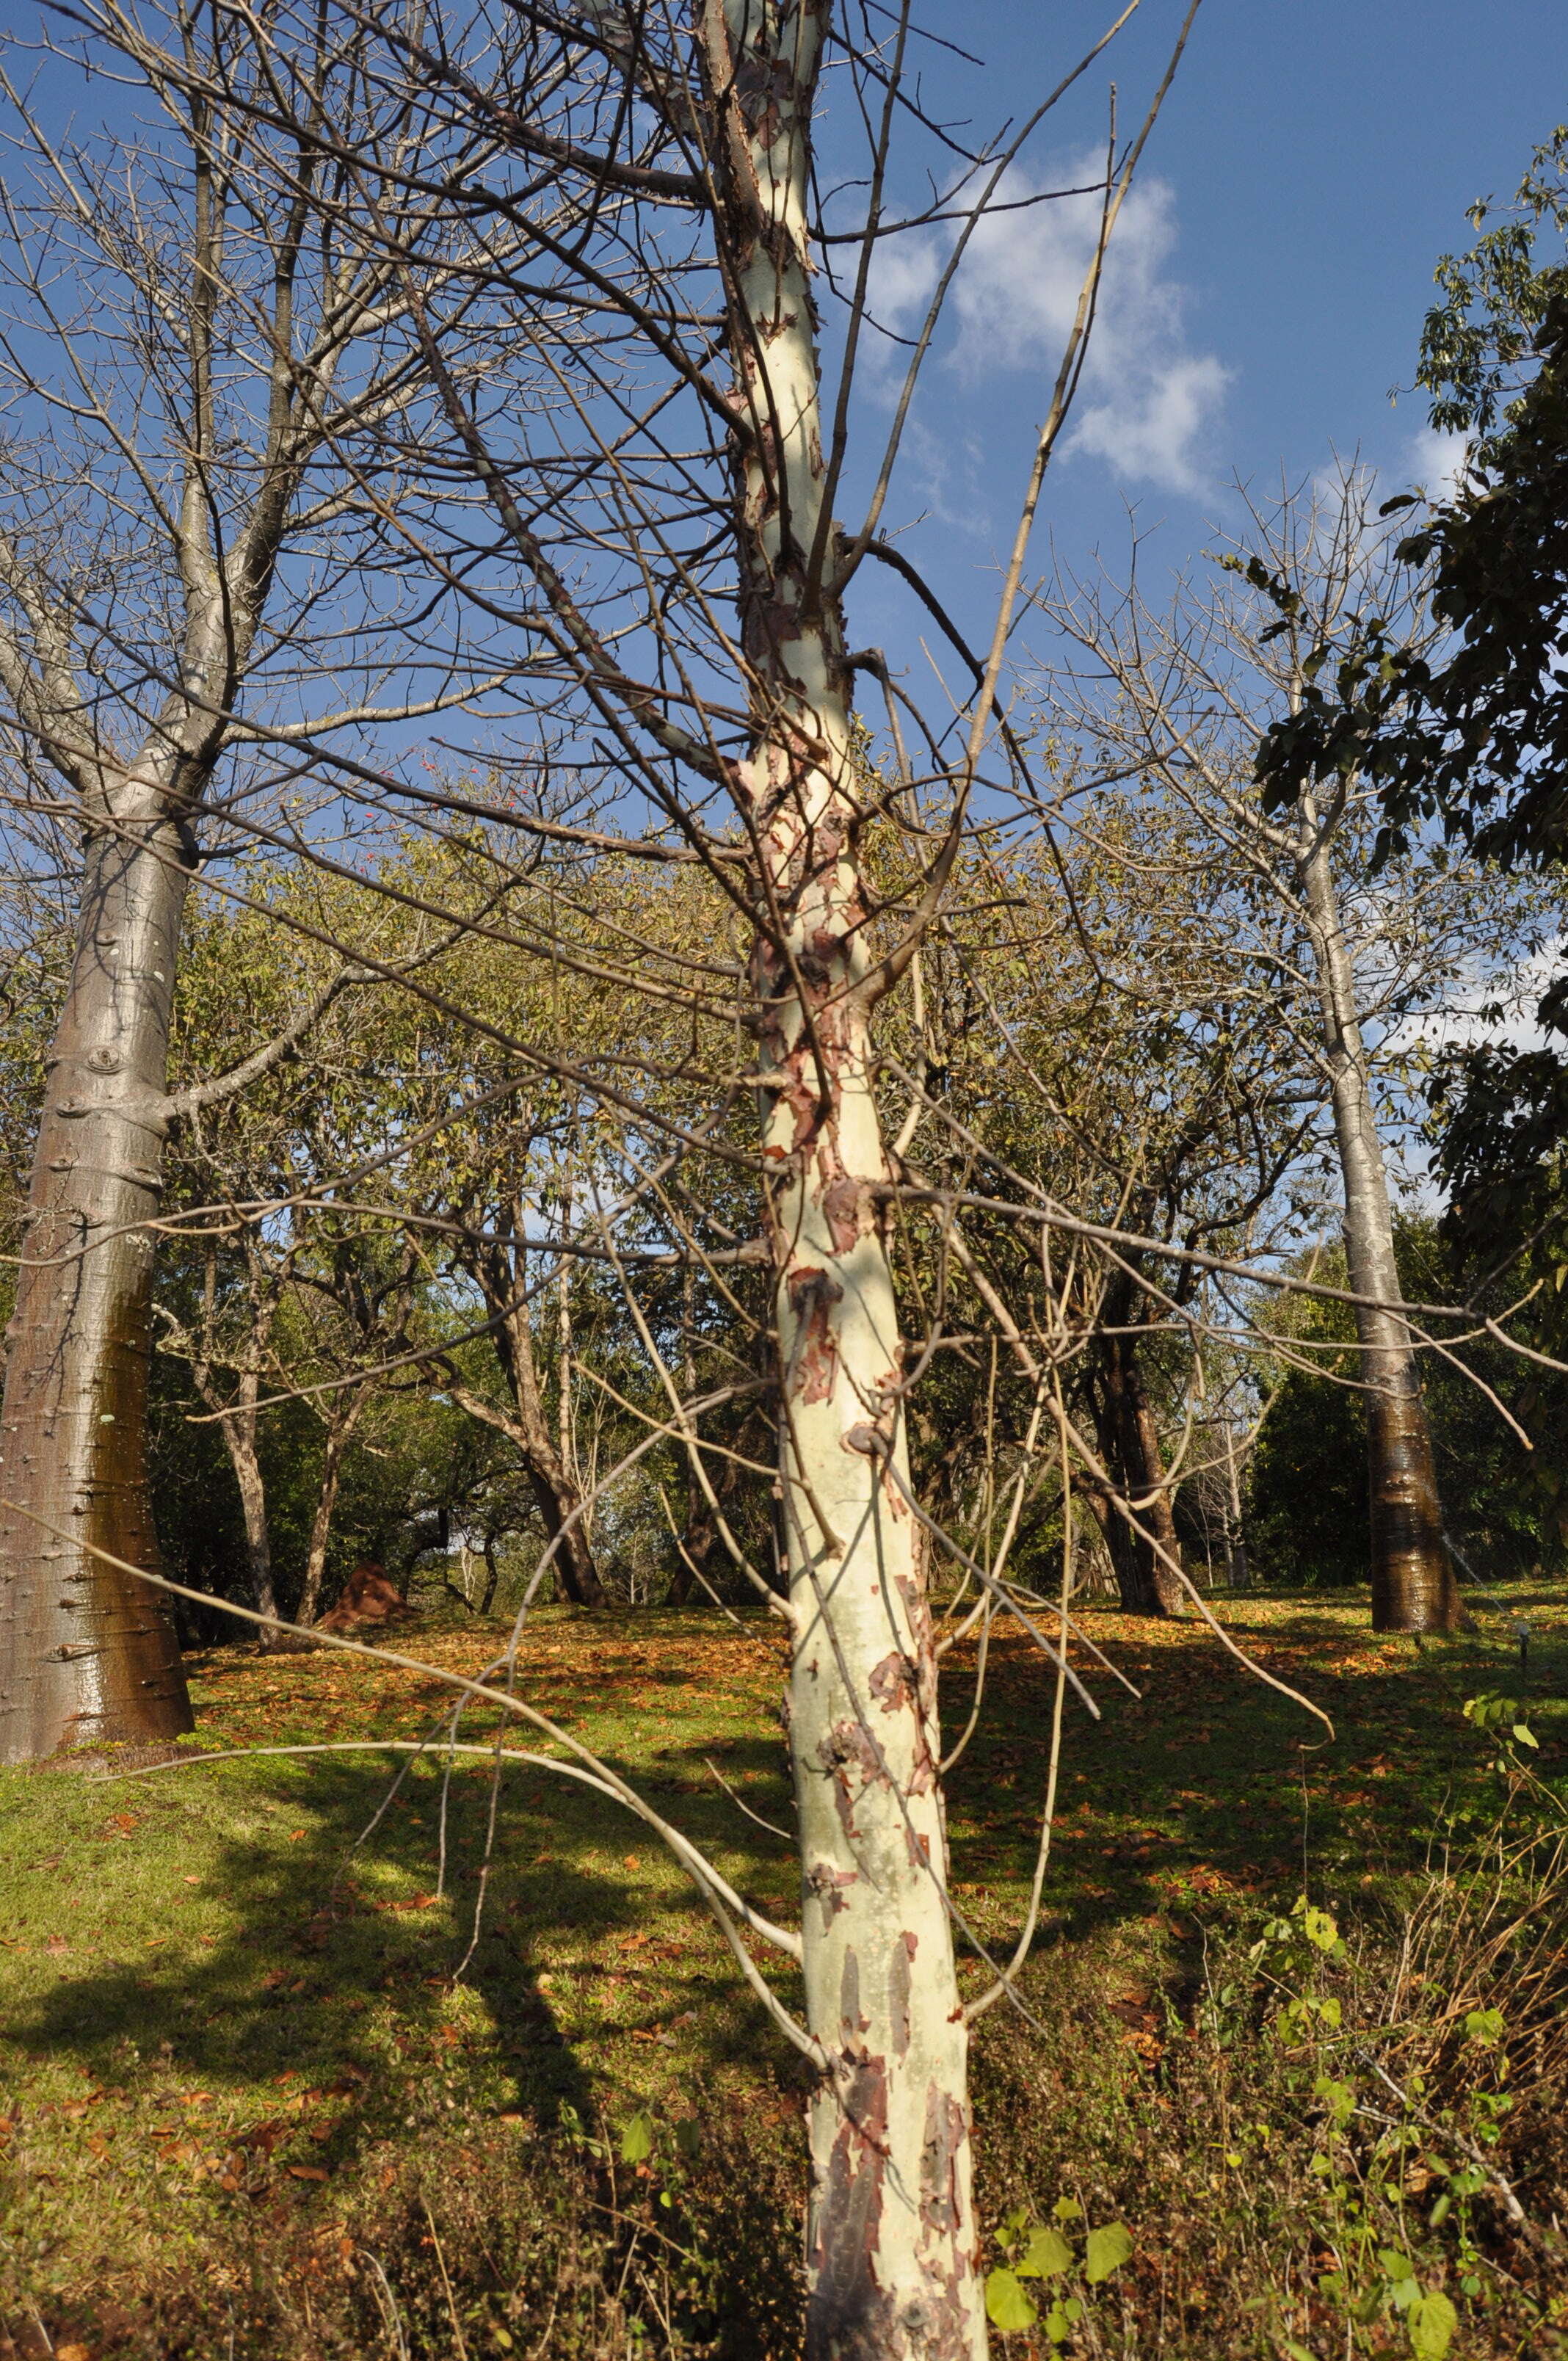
<point>1435,461</point>
<point>1147,402</point>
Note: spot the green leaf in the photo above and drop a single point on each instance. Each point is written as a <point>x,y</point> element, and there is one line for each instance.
<point>1485,2025</point>
<point>1321,1928</point>
<point>1431,2321</point>
<point>1295,2352</point>
<point>1047,2255</point>
<point>637,2139</point>
<point>1006,2305</point>
<point>1526,1736</point>
<point>1107,2250</point>
<point>1394,2262</point>
<point>1067,2209</point>
<point>1338,2097</point>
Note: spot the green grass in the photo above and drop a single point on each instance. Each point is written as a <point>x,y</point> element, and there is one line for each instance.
<point>247,2098</point>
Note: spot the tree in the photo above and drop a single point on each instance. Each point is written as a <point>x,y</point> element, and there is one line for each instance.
<point>1471,729</point>
<point>178,540</point>
<point>651,223</point>
<point>1346,952</point>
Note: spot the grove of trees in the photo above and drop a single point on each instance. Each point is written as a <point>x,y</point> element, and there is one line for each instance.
<point>535,1060</point>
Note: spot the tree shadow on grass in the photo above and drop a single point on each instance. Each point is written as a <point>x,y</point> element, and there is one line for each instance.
<point>328,1955</point>
<point>1213,1794</point>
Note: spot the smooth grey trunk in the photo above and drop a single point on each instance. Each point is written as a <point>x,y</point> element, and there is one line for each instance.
<point>892,2249</point>
<point>1413,1587</point>
<point>88,1654</point>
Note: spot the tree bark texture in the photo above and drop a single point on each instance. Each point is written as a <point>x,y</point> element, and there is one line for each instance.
<point>890,2239</point>
<point>1413,1585</point>
<point>88,1654</point>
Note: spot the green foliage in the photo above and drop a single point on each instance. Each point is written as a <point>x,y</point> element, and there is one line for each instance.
<point>1505,1507</point>
<point>1036,2251</point>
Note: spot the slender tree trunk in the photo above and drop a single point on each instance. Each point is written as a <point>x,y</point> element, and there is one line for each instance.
<point>1413,1587</point>
<point>556,1494</point>
<point>338,1431</point>
<point>890,2238</point>
<point>1237,1570</point>
<point>239,1432</point>
<point>1129,1445</point>
<point>492,1574</point>
<point>89,1655</point>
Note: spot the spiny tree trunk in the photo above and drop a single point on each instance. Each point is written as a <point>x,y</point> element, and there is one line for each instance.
<point>891,2243</point>
<point>1413,1585</point>
<point>88,1654</point>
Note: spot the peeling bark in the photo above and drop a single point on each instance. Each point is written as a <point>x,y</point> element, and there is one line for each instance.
<point>1413,1585</point>
<point>88,1656</point>
<point>890,2239</point>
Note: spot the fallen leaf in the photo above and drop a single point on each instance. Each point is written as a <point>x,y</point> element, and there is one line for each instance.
<point>308,2172</point>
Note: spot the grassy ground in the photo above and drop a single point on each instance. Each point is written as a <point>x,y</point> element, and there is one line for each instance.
<point>256,2103</point>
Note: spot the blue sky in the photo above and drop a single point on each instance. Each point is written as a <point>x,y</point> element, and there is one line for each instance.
<point>1311,163</point>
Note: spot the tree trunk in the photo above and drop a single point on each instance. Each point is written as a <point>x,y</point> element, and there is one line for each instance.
<point>890,2238</point>
<point>1237,1571</point>
<point>1413,1587</point>
<point>337,1433</point>
<point>239,1424</point>
<point>1129,1445</point>
<point>558,1498</point>
<point>89,1655</point>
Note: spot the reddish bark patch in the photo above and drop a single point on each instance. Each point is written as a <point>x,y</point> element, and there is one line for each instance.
<point>841,1202</point>
<point>900,1982</point>
<point>812,1296</point>
<point>828,1885</point>
<point>848,1743</point>
<point>850,2317</point>
<point>852,2018</point>
<point>947,2130</point>
<point>895,1682</point>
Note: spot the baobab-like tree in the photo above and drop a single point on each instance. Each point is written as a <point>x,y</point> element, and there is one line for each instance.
<point>189,598</point>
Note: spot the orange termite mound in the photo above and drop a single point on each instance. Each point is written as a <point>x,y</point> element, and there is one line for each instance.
<point>367,1597</point>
